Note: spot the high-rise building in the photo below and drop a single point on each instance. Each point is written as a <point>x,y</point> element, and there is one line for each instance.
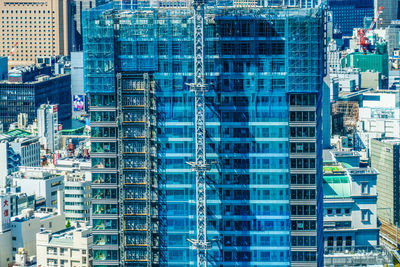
<point>3,68</point>
<point>390,12</point>
<point>78,95</point>
<point>47,116</point>
<point>350,14</point>
<point>385,159</point>
<point>264,70</point>
<point>31,29</point>
<point>29,87</point>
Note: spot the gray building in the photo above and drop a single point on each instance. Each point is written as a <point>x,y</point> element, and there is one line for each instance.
<point>385,159</point>
<point>390,12</point>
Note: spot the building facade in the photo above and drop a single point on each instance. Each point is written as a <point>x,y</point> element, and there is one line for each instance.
<point>77,198</point>
<point>385,159</point>
<point>78,96</point>
<point>263,135</point>
<point>47,116</point>
<point>31,29</point>
<point>350,213</point>
<point>34,180</point>
<point>350,14</point>
<point>24,93</point>
<point>3,68</point>
<point>69,247</point>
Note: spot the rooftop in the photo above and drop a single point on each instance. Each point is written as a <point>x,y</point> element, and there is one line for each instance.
<point>362,171</point>
<point>393,141</point>
<point>34,173</point>
<point>336,186</point>
<point>18,133</point>
<point>346,153</point>
<point>66,237</point>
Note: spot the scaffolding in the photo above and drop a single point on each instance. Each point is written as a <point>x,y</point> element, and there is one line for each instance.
<point>349,109</point>
<point>135,107</point>
<point>254,59</point>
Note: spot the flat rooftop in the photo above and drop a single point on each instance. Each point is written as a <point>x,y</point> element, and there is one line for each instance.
<point>336,186</point>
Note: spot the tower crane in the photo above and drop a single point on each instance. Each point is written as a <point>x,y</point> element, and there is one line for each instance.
<point>362,34</point>
<point>12,50</point>
<point>200,166</point>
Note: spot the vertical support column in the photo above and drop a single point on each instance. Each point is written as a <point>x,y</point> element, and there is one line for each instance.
<point>121,185</point>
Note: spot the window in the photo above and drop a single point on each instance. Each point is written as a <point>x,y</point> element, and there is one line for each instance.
<point>346,211</point>
<point>339,241</point>
<point>348,240</point>
<point>364,188</point>
<point>364,215</point>
<point>330,211</point>
<point>330,241</point>
<point>338,211</point>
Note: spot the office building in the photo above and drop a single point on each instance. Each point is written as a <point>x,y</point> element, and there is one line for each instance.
<point>350,14</point>
<point>390,12</point>
<point>76,33</point>
<point>3,68</point>
<point>29,87</point>
<point>31,29</point>
<point>39,182</point>
<point>385,159</point>
<point>69,247</point>
<point>47,116</point>
<point>263,134</point>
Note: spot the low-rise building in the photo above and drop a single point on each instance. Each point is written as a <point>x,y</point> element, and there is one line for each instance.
<point>20,231</point>
<point>17,148</point>
<point>350,211</point>
<point>40,182</point>
<point>69,247</point>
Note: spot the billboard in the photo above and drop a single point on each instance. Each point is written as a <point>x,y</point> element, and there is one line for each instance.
<point>78,102</point>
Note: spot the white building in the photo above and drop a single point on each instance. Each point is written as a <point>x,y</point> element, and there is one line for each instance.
<point>379,115</point>
<point>47,116</point>
<point>40,182</point>
<point>23,229</point>
<point>69,247</point>
<point>350,210</point>
<point>349,79</point>
<point>77,197</point>
<point>17,151</point>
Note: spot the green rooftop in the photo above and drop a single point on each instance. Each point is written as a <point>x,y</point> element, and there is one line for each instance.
<point>18,133</point>
<point>331,169</point>
<point>78,131</point>
<point>336,187</point>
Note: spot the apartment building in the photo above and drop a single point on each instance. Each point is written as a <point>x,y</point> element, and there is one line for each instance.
<point>34,28</point>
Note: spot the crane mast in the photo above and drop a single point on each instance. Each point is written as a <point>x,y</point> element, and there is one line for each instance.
<point>200,165</point>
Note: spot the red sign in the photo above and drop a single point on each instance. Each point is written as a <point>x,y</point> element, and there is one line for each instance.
<point>55,108</point>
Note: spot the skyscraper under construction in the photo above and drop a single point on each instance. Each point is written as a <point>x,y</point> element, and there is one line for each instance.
<point>263,70</point>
